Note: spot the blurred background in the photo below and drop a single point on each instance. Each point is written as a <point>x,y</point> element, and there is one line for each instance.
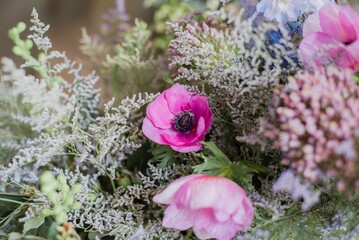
<point>66,17</point>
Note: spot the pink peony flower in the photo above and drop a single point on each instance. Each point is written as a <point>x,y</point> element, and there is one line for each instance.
<point>214,207</point>
<point>179,119</point>
<point>333,34</point>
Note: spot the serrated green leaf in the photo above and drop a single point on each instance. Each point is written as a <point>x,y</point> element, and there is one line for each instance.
<point>162,154</point>
<point>218,154</point>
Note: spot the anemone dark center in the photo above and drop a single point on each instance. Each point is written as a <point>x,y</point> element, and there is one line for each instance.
<point>184,121</point>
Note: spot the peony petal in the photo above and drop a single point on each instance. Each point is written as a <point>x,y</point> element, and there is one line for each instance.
<point>177,98</point>
<point>354,50</point>
<point>349,20</point>
<point>166,196</point>
<point>343,57</point>
<point>244,216</point>
<point>309,48</point>
<point>201,233</point>
<point>180,219</point>
<point>220,231</point>
<point>210,192</point>
<point>330,23</point>
<point>154,133</point>
<point>159,113</point>
<point>312,25</point>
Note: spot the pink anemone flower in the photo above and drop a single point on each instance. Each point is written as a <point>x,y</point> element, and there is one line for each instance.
<point>332,33</point>
<point>215,207</point>
<point>178,118</point>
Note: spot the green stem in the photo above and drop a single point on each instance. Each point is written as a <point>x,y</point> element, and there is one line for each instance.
<point>116,83</point>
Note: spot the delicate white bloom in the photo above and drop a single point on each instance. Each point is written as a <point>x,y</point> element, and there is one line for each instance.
<point>312,6</point>
<point>288,10</point>
<point>281,10</point>
<point>291,183</point>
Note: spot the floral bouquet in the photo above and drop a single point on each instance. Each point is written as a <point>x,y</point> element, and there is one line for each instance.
<point>220,120</point>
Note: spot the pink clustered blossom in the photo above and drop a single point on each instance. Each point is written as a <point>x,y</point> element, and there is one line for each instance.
<point>312,120</point>
<point>214,207</point>
<point>178,118</point>
<point>331,35</point>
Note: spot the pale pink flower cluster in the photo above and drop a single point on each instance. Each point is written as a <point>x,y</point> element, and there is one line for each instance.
<point>214,207</point>
<point>312,120</point>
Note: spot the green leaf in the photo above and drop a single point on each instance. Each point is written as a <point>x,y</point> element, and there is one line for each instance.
<point>95,235</point>
<point>8,216</point>
<point>33,223</point>
<point>356,78</point>
<point>218,154</point>
<point>52,231</point>
<point>218,164</point>
<point>19,236</point>
<point>12,200</point>
<point>164,155</point>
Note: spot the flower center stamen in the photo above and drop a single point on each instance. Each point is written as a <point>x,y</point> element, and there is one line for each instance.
<point>184,121</point>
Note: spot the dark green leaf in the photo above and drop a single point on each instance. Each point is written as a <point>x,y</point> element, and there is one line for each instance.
<point>164,155</point>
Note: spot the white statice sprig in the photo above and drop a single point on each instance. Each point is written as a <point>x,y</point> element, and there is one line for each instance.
<point>291,183</point>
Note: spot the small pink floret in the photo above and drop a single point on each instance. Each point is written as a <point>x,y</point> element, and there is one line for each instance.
<point>215,207</point>
<point>331,34</point>
<point>178,118</point>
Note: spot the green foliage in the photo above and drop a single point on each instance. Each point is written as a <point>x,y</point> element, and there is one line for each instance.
<point>315,224</point>
<point>218,164</point>
<point>162,154</point>
<point>22,48</point>
<point>11,207</point>
<point>171,10</point>
<point>356,77</point>
<point>60,194</point>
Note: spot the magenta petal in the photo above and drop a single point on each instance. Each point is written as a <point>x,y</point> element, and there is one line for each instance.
<point>177,98</point>
<point>152,132</point>
<point>188,148</point>
<point>176,138</point>
<point>166,196</point>
<point>330,23</point>
<point>199,106</point>
<point>312,25</point>
<point>201,128</point>
<point>159,113</point>
<point>176,218</point>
